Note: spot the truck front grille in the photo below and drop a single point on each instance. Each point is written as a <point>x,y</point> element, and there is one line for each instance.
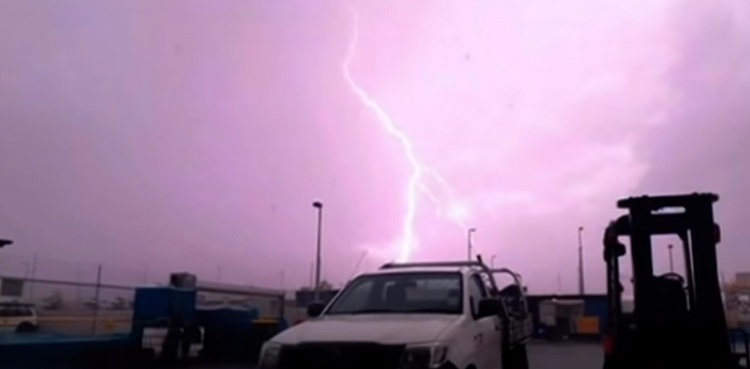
<point>340,356</point>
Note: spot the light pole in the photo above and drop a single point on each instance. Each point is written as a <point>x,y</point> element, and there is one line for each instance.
<point>671,259</point>
<point>492,261</point>
<point>468,241</point>
<point>219,273</point>
<point>318,205</point>
<point>581,285</point>
<point>5,242</point>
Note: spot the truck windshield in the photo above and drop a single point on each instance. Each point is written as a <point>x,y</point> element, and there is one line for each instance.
<point>438,293</point>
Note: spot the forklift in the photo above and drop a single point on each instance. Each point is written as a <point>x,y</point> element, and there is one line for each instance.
<point>678,320</point>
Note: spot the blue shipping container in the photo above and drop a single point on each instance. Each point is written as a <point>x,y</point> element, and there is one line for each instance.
<point>156,303</point>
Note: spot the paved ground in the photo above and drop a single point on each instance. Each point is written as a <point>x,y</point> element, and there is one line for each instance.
<point>568,355</point>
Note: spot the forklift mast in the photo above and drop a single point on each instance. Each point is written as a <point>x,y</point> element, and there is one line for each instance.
<point>678,319</point>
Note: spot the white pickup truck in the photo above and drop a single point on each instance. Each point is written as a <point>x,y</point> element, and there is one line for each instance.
<point>442,315</point>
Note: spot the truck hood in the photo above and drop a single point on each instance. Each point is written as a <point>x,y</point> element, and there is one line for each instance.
<point>380,328</point>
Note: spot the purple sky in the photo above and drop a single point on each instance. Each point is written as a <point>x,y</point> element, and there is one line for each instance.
<point>195,134</point>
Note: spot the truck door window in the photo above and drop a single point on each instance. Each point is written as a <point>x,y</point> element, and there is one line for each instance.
<point>477,292</point>
<point>356,296</point>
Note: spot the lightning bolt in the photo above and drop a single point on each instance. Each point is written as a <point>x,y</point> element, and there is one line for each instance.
<point>415,183</point>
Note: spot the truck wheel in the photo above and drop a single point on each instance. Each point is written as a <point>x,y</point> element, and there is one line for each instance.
<point>26,327</point>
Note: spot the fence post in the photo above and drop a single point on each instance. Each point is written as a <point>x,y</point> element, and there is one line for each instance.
<point>96,298</point>
<point>32,277</point>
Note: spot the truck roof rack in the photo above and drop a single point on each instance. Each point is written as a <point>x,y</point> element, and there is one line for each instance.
<point>460,264</point>
<point>433,264</point>
<point>516,277</point>
<point>446,264</point>
<point>479,264</point>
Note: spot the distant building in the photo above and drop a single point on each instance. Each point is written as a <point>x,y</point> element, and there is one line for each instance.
<point>737,300</point>
<point>12,289</point>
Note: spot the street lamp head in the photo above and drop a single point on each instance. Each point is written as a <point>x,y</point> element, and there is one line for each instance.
<point>471,230</point>
<point>318,204</point>
<point>580,229</point>
<point>5,242</point>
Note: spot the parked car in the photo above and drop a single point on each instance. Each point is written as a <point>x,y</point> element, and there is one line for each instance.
<point>17,317</point>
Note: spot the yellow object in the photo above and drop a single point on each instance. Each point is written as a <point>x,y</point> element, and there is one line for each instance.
<point>266,321</point>
<point>587,325</point>
<point>109,325</point>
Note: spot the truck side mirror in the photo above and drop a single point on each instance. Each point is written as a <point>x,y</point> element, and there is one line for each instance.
<point>488,307</point>
<point>315,309</point>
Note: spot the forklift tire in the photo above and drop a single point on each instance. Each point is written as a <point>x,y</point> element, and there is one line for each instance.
<point>521,357</point>
<point>506,361</point>
<point>514,357</point>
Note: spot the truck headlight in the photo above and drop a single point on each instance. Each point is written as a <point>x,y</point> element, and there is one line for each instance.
<point>424,356</point>
<point>269,355</point>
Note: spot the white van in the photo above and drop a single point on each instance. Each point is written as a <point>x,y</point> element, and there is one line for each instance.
<point>17,317</point>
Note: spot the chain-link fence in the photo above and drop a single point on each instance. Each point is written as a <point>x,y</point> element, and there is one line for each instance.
<point>66,297</point>
<point>71,297</point>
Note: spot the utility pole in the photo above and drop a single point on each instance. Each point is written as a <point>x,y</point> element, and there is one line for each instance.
<point>581,276</point>
<point>492,261</point>
<point>469,233</point>
<point>312,276</point>
<point>671,259</point>
<point>318,205</point>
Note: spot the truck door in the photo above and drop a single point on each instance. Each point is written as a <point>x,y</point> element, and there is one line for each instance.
<point>487,330</point>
